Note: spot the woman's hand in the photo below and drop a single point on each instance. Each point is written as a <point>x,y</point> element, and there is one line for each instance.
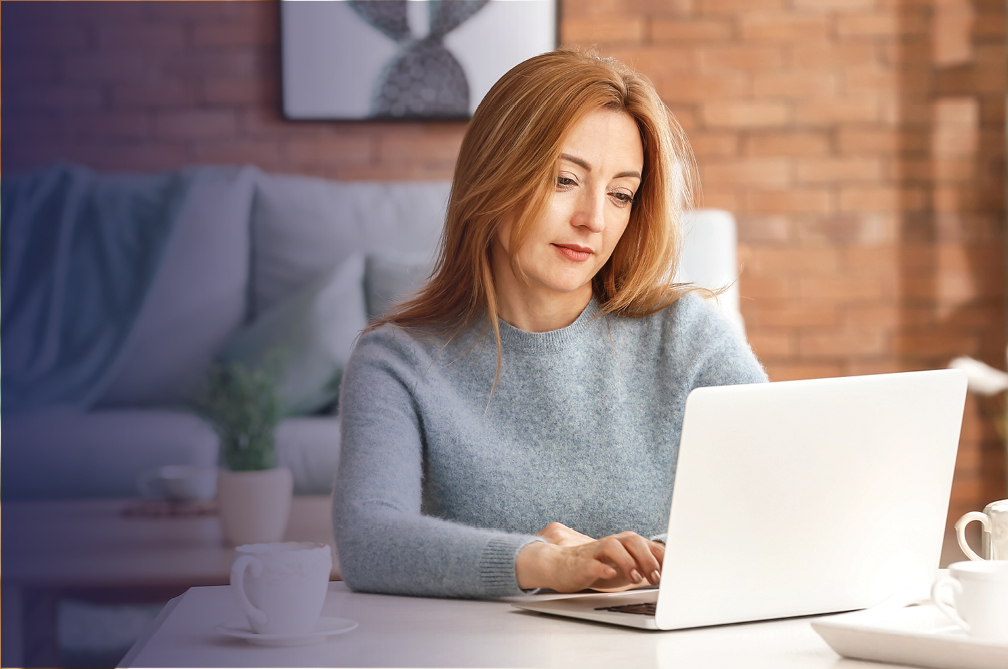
<point>572,561</point>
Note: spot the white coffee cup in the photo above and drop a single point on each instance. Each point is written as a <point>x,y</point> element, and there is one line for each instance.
<point>281,587</point>
<point>994,540</point>
<point>979,598</point>
<point>178,482</point>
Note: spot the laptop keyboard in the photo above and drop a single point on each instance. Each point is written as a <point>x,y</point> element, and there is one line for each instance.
<point>645,609</point>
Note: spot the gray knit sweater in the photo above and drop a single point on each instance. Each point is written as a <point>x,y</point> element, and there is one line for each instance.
<point>437,491</point>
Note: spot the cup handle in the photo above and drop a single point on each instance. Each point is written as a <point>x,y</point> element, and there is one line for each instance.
<point>257,616</point>
<point>960,527</point>
<point>945,608</point>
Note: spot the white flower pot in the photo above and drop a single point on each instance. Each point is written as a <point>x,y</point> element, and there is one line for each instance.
<point>254,505</point>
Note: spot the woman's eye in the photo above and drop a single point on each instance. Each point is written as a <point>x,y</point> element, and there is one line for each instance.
<point>565,182</point>
<point>623,198</point>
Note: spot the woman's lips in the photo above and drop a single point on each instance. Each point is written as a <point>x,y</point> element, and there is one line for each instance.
<point>574,252</point>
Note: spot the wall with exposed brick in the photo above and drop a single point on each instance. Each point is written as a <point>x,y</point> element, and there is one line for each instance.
<point>860,143</point>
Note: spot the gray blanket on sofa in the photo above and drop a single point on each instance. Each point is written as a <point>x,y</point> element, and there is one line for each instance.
<point>78,253</point>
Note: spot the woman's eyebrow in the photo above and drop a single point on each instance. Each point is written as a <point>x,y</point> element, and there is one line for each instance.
<point>584,164</point>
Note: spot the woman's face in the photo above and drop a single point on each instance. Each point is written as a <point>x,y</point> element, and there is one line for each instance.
<point>599,173</point>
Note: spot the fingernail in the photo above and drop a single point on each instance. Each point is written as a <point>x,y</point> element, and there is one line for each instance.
<point>635,575</point>
<point>655,577</point>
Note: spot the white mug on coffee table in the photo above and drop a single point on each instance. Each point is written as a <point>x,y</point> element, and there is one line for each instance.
<point>281,587</point>
<point>979,598</point>
<point>178,483</point>
<point>994,537</point>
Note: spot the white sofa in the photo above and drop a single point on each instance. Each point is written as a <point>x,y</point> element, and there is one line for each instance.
<point>245,242</point>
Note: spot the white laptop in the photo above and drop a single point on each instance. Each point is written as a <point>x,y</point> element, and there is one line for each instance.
<point>798,498</point>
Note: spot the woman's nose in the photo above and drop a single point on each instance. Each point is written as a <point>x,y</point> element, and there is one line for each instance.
<point>591,211</point>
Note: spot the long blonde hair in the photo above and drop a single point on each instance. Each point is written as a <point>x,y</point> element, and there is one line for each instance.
<point>509,161</point>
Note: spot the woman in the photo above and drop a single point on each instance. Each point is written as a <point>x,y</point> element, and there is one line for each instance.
<point>515,426</point>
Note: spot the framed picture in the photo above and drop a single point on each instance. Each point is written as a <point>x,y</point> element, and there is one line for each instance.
<point>404,59</point>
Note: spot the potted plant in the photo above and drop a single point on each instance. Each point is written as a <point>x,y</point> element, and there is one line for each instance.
<point>254,495</point>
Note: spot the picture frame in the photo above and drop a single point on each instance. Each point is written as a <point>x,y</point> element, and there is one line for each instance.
<point>404,59</point>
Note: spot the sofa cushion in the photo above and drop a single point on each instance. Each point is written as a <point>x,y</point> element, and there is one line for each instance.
<point>67,453</point>
<point>308,336</point>
<point>391,277</point>
<point>303,226</point>
<point>309,446</point>
<point>198,298</point>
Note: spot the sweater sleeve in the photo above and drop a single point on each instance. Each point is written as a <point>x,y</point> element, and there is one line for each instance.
<point>715,352</point>
<point>385,543</point>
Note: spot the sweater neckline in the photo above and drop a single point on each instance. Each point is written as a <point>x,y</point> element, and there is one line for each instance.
<point>516,339</point>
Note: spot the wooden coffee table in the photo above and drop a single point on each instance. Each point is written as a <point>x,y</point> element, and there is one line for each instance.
<point>114,551</point>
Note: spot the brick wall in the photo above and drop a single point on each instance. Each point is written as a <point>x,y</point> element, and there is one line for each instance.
<point>860,143</point>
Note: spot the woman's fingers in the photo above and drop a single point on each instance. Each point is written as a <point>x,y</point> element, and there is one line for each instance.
<point>643,552</point>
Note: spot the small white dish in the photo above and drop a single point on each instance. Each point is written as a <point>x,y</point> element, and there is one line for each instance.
<point>325,627</point>
<point>916,635</point>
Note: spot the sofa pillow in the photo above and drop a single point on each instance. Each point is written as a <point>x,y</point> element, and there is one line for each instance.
<point>391,277</point>
<point>311,334</point>
<point>303,226</point>
<point>199,296</point>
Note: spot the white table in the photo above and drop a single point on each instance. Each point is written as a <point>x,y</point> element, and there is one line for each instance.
<point>419,632</point>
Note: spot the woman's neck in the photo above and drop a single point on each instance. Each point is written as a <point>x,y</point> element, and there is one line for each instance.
<point>532,310</point>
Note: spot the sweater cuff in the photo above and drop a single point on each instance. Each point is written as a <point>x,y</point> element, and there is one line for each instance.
<point>497,565</point>
<point>660,538</point>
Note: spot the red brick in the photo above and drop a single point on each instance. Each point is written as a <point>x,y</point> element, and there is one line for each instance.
<point>794,84</point>
<point>264,153</point>
<point>714,145</point>
<point>789,201</point>
<point>836,110</point>
<point>193,124</point>
<point>787,144</point>
<point>603,29</point>
<point>772,344</point>
<point>427,144</point>
<point>833,5</point>
<point>765,288</point>
<point>741,57</point>
<point>57,37</point>
<point>873,25</point>
<point>793,260</point>
<point>241,91</point>
<point>697,30</point>
<point>154,94</point>
<point>811,314</point>
<point>845,229</point>
<point>141,38</point>
<point>782,26</point>
<point>220,63</point>
<point>760,230</point>
<point>235,34</point>
<point>713,198</point>
<point>700,87</point>
<point>945,345</point>
<point>881,198</point>
<point>54,97</point>
<point>745,114</point>
<point>747,171</point>
<point>656,61</point>
<point>833,55</point>
<point>111,125</point>
<point>104,68</point>
<point>330,151</point>
<point>736,7</point>
<point>916,79</point>
<point>830,170</point>
<point>843,343</point>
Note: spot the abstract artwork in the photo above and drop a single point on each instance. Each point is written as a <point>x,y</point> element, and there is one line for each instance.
<point>404,59</point>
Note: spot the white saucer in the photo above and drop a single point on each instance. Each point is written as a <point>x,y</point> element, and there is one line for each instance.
<point>325,627</point>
